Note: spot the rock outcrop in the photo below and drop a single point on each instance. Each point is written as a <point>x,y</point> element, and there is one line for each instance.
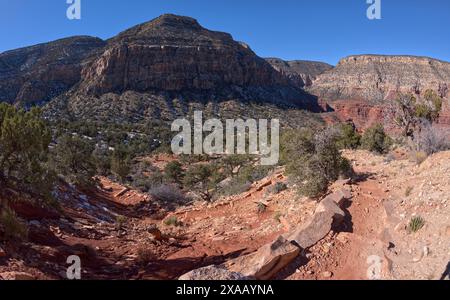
<point>268,260</point>
<point>170,62</point>
<point>212,273</point>
<point>36,74</point>
<point>174,59</point>
<point>376,78</point>
<point>360,86</point>
<point>174,53</point>
<point>301,73</point>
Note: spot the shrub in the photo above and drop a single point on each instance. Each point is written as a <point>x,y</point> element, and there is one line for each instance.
<point>12,227</point>
<point>73,159</point>
<point>419,157</point>
<point>430,139</point>
<point>277,188</point>
<point>277,216</point>
<point>174,171</point>
<point>168,195</point>
<point>121,162</point>
<point>24,142</point>
<point>203,179</point>
<point>235,187</point>
<point>407,111</point>
<point>120,221</point>
<point>348,138</point>
<point>261,208</point>
<point>376,140</point>
<point>172,221</point>
<point>313,160</point>
<point>234,163</point>
<point>251,173</point>
<point>102,161</point>
<point>416,224</point>
<point>145,255</point>
<point>142,183</point>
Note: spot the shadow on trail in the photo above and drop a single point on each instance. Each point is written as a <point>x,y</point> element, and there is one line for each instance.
<point>446,272</point>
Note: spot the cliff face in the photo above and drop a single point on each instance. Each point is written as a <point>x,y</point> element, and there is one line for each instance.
<point>360,86</point>
<point>175,53</point>
<point>376,78</point>
<point>301,73</point>
<point>36,74</point>
<point>171,61</point>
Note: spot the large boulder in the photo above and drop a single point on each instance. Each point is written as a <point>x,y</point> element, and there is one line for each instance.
<point>327,214</point>
<point>212,273</point>
<point>267,261</point>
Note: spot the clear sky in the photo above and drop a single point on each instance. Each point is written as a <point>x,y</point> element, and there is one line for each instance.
<point>323,30</point>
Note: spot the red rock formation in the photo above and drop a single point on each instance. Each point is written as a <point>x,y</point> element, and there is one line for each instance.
<point>38,73</point>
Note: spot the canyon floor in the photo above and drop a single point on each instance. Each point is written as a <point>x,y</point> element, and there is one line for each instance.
<point>120,233</point>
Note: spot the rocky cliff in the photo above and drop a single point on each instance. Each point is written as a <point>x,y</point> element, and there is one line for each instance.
<point>172,62</point>
<point>360,86</point>
<point>376,78</point>
<point>175,53</point>
<point>302,73</point>
<point>39,73</point>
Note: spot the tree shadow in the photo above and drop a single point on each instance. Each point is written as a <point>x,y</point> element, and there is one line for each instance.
<point>362,177</point>
<point>345,225</point>
<point>292,268</point>
<point>446,272</point>
<point>173,268</point>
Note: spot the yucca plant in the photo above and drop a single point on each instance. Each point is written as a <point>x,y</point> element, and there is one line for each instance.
<point>416,224</point>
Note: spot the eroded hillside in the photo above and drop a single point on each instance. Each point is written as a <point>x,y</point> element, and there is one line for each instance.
<point>120,233</point>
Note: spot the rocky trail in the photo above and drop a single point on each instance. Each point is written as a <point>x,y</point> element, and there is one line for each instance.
<point>344,253</point>
<point>358,232</point>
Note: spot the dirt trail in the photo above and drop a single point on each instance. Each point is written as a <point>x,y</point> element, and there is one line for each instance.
<point>345,252</point>
<point>372,242</point>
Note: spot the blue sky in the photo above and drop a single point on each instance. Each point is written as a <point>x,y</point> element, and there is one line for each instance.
<point>323,30</point>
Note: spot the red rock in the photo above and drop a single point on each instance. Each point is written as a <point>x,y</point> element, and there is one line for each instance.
<point>21,276</point>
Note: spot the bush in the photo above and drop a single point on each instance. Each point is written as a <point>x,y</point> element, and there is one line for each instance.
<point>408,112</point>
<point>174,171</point>
<point>172,221</point>
<point>376,140</point>
<point>251,173</point>
<point>203,179</point>
<point>120,221</point>
<point>430,139</point>
<point>121,162</point>
<point>313,161</point>
<point>277,216</point>
<point>145,255</point>
<point>142,183</point>
<point>419,157</point>
<point>233,164</point>
<point>416,224</point>
<point>102,161</point>
<point>169,196</point>
<point>73,159</point>
<point>235,187</point>
<point>24,142</point>
<point>261,208</point>
<point>12,227</point>
<point>277,188</point>
<point>348,138</point>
